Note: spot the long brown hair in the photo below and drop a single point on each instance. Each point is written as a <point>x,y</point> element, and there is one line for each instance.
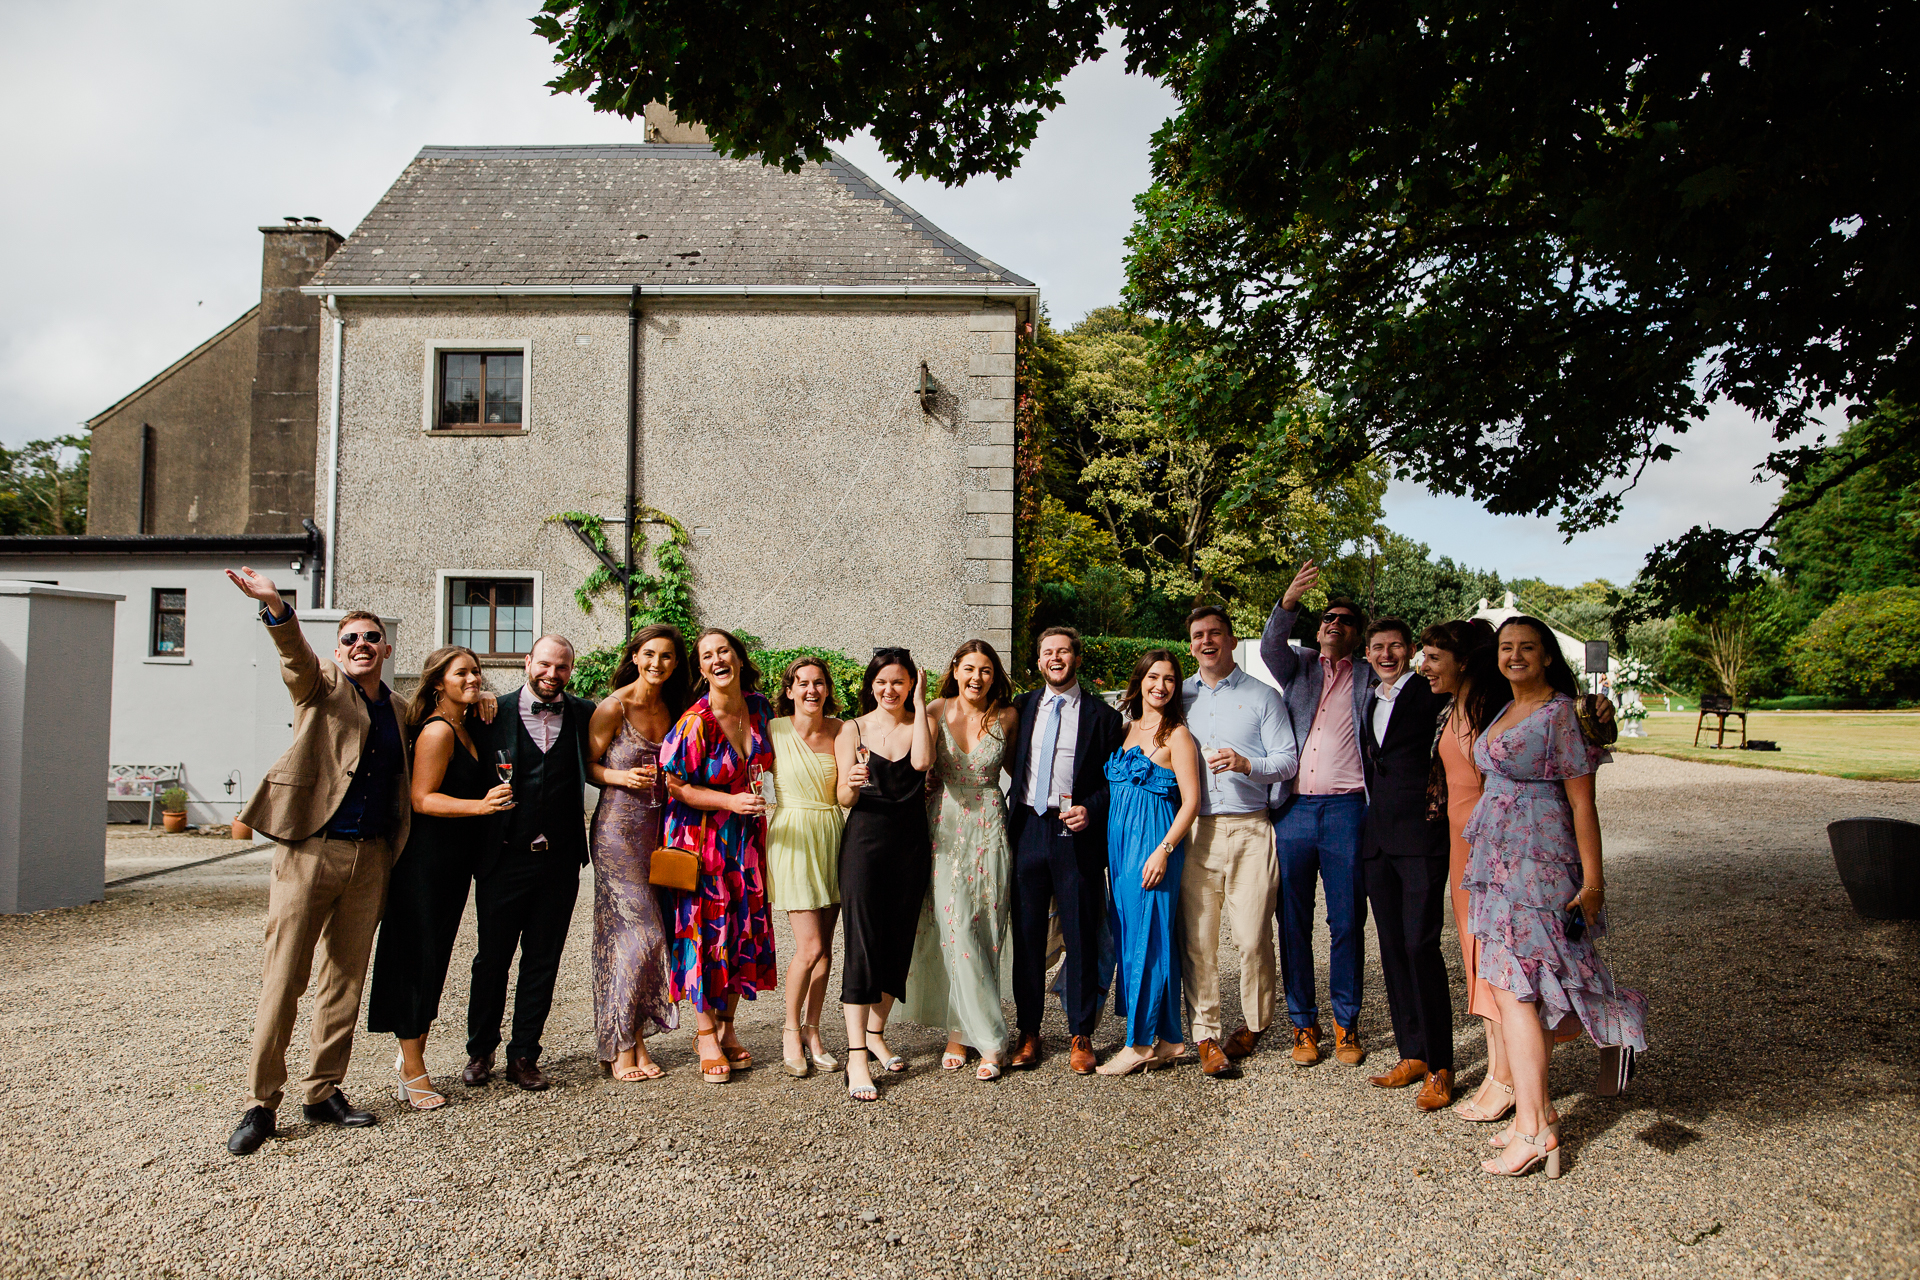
<point>1488,693</point>
<point>829,705</point>
<point>749,674</point>
<point>1559,675</point>
<point>677,692</point>
<point>1134,704</point>
<point>433,677</point>
<point>999,689</point>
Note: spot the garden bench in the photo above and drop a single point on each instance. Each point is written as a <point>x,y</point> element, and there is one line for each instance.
<point>132,787</point>
<point>1721,706</point>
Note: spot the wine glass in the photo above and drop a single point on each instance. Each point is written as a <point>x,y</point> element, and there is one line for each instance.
<point>862,754</point>
<point>503,765</point>
<point>1066,802</point>
<point>648,767</point>
<point>765,787</point>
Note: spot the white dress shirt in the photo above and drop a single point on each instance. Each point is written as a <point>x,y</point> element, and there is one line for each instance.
<point>542,726</point>
<point>1383,706</point>
<point>1043,790</point>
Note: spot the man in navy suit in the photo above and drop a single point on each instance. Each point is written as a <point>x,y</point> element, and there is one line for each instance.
<point>1057,824</point>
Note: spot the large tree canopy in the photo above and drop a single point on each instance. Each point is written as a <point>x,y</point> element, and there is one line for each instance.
<point>1518,247</point>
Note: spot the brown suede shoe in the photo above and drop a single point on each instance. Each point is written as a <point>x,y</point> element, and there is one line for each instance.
<point>1306,1046</point>
<point>1212,1061</point>
<point>1346,1046</point>
<point>478,1072</point>
<point>526,1073</point>
<point>1081,1058</point>
<point>1026,1052</point>
<point>1240,1043</point>
<point>1438,1091</point>
<point>1405,1072</point>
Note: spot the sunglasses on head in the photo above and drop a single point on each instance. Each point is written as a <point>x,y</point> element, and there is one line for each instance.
<point>348,639</point>
<point>893,654</point>
<point>1340,619</point>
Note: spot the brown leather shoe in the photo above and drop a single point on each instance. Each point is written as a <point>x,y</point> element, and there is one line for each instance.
<point>1081,1058</point>
<point>1346,1046</point>
<point>479,1071</point>
<point>1212,1061</point>
<point>1306,1046</point>
<point>1240,1043</point>
<point>1405,1072</point>
<point>1437,1092</point>
<point>1026,1053</point>
<point>526,1073</point>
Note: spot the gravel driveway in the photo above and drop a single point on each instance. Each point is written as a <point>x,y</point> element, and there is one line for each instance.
<point>1771,1130</point>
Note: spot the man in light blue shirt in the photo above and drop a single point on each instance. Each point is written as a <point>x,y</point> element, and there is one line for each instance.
<point>1247,745</point>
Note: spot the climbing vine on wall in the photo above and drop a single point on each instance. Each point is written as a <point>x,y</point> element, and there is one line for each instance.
<point>664,595</point>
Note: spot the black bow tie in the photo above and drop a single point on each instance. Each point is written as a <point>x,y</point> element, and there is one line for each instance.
<point>557,708</point>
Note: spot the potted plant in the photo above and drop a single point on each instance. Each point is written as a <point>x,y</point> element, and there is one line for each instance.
<point>241,831</point>
<point>1634,676</point>
<point>173,809</point>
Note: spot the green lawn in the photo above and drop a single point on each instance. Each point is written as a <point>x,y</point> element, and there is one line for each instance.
<point>1846,744</point>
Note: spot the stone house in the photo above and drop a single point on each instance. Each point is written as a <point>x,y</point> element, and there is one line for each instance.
<point>812,378</point>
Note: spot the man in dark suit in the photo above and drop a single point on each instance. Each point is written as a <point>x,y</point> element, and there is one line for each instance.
<point>529,873</point>
<point>1057,824</point>
<point>1403,856</point>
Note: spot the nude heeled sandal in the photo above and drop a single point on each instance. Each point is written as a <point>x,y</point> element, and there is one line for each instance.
<point>822,1060</point>
<point>1466,1109</point>
<point>1540,1153</point>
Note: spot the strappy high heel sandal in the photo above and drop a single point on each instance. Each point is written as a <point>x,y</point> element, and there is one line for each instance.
<point>987,1072</point>
<point>1537,1154</point>
<point>1468,1109</point>
<point>737,1056</point>
<point>796,1067</point>
<point>1499,1140</point>
<point>1126,1062</point>
<point>892,1062</point>
<point>823,1060</point>
<point>861,1092</point>
<point>951,1061</point>
<point>713,1070</point>
<point>418,1099</point>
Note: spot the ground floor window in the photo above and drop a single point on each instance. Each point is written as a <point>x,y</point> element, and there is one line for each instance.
<point>168,635</point>
<point>491,616</point>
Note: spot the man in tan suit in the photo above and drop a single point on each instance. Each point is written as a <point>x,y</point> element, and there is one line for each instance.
<point>337,804</point>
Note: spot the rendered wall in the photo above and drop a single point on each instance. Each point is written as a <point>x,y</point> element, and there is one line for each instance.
<point>56,694</point>
<point>827,507</point>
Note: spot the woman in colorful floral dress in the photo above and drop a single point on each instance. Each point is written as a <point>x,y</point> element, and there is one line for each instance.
<point>722,943</point>
<point>1536,888</point>
<point>954,983</point>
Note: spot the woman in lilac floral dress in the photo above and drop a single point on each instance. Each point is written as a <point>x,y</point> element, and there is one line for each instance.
<point>1535,887</point>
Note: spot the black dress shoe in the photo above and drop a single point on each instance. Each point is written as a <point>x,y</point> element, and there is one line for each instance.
<point>479,1072</point>
<point>335,1109</point>
<point>255,1128</point>
<point>526,1073</point>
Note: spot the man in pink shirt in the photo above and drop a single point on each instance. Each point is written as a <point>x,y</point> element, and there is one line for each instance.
<point>1317,828</point>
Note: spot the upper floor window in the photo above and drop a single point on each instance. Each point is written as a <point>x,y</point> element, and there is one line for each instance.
<point>480,389</point>
<point>169,633</point>
<point>491,616</point>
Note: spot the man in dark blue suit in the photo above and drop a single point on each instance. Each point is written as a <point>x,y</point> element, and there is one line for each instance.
<point>1057,824</point>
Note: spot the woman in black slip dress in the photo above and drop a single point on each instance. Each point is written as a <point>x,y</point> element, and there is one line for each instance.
<point>886,855</point>
<point>454,794</point>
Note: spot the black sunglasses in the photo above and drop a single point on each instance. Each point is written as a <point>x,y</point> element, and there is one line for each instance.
<point>1340,619</point>
<point>893,654</point>
<point>350,638</point>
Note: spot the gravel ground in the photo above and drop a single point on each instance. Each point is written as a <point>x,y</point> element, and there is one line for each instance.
<point>1771,1130</point>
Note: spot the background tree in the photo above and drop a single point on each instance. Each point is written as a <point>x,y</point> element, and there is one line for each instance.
<point>43,486</point>
<point>1736,647</point>
<point>1519,248</point>
<point>1862,533</point>
<point>1864,646</point>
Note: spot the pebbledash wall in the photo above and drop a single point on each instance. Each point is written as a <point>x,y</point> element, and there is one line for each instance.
<point>826,506</point>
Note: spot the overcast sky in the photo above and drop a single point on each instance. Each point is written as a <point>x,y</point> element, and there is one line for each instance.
<point>147,142</point>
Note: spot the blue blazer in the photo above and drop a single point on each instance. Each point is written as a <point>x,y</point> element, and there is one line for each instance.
<point>1297,668</point>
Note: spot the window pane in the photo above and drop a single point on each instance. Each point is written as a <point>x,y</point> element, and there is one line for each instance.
<point>460,377</point>
<point>503,390</point>
<point>172,634</point>
<point>490,616</point>
<point>173,600</point>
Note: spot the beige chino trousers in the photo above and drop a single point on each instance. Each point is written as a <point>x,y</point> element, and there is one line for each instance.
<point>327,894</point>
<point>1232,870</point>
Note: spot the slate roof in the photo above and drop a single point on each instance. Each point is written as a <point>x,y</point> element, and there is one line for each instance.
<point>646,214</point>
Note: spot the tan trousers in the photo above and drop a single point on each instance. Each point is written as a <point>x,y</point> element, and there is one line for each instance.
<point>1233,870</point>
<point>327,894</point>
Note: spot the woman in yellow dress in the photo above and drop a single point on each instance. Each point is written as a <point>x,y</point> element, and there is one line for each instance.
<point>803,852</point>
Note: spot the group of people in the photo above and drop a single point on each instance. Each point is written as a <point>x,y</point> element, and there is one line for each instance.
<point>1120,843</point>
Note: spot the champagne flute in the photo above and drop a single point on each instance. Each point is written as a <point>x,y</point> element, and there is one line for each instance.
<point>503,765</point>
<point>764,784</point>
<point>1066,803</point>
<point>861,753</point>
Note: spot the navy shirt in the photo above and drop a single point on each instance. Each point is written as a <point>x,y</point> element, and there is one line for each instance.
<point>365,812</point>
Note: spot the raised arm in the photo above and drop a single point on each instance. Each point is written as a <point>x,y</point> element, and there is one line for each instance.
<point>1281,658</point>
<point>299,664</point>
<point>922,753</point>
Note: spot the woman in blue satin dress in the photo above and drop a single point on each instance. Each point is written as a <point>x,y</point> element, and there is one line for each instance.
<point>1146,848</point>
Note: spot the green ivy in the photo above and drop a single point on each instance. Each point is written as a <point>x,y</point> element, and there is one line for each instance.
<point>844,672</point>
<point>665,595</point>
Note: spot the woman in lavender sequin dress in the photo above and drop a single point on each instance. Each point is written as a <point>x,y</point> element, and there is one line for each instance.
<point>630,997</point>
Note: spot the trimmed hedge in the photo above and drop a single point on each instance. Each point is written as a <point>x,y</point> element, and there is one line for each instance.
<point>1107,662</point>
<point>845,672</point>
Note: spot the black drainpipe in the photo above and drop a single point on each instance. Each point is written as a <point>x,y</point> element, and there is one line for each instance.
<point>146,474</point>
<point>633,449</point>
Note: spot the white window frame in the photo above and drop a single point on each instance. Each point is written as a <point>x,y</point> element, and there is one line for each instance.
<point>442,584</point>
<point>430,386</point>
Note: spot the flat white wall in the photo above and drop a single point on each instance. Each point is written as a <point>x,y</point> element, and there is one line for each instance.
<point>222,709</point>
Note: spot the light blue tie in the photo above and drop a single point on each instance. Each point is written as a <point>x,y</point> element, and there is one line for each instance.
<point>1049,739</point>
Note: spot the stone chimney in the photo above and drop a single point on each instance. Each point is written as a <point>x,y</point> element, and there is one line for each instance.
<point>664,126</point>
<point>284,435</point>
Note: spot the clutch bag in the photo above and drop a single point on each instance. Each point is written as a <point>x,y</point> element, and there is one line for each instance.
<point>675,869</point>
